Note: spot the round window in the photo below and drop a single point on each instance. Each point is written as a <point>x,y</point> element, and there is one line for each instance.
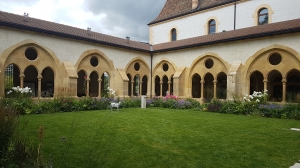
<point>209,63</point>
<point>137,66</point>
<point>94,61</point>
<point>31,53</point>
<point>275,59</point>
<point>165,67</point>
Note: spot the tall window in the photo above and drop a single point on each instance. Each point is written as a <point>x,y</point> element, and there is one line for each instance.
<point>263,16</point>
<point>211,27</point>
<point>173,35</point>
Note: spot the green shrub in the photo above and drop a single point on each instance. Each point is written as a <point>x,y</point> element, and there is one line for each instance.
<point>194,103</point>
<point>214,105</point>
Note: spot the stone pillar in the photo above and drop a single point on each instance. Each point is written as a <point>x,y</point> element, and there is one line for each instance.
<point>39,86</point>
<point>141,84</point>
<point>132,82</point>
<point>169,87</point>
<point>22,81</point>
<point>202,89</point>
<point>87,87</point>
<point>283,90</point>
<point>265,84</point>
<point>161,83</point>
<point>215,88</point>
<point>99,90</point>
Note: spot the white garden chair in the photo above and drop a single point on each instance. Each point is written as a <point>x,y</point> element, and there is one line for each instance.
<point>115,105</point>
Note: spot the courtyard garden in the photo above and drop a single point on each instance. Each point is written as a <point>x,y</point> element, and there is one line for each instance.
<point>170,132</point>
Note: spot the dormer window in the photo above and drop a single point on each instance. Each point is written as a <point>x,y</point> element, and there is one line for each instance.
<point>212,27</point>
<point>173,35</point>
<point>263,16</point>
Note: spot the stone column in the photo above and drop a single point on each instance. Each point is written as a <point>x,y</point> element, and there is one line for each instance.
<point>265,84</point>
<point>283,90</point>
<point>22,81</point>
<point>202,89</point>
<point>141,84</point>
<point>169,87</point>
<point>215,88</point>
<point>87,87</point>
<point>132,82</point>
<point>39,86</point>
<point>99,90</point>
<point>161,83</point>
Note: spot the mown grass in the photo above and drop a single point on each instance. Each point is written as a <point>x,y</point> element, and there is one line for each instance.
<point>156,137</point>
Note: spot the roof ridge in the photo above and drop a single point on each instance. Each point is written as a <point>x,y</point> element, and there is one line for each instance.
<point>36,23</point>
<point>284,27</point>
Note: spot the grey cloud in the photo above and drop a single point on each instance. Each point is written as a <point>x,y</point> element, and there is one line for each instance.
<point>130,15</point>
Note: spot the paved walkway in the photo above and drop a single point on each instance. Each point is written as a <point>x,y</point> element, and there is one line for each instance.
<point>297,165</point>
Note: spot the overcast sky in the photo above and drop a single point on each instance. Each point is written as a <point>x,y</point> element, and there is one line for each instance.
<point>118,18</point>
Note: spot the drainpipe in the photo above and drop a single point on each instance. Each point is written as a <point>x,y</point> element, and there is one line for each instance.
<point>151,55</point>
<point>234,16</point>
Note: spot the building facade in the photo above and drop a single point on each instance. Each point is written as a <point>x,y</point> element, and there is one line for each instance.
<point>200,49</point>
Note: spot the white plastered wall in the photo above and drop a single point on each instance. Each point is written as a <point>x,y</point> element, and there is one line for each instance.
<point>68,49</point>
<point>194,25</point>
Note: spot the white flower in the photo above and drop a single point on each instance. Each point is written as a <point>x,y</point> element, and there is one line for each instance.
<point>251,97</point>
<point>257,100</point>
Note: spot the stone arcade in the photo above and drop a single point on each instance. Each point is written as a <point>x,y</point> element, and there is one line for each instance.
<point>198,49</point>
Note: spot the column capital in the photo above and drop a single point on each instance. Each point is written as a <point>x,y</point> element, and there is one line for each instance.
<point>215,81</point>
<point>99,80</point>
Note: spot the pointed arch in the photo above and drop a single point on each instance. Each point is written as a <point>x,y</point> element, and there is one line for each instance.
<point>196,86</point>
<point>221,85</point>
<point>256,82</point>
<point>157,85</point>
<point>94,84</point>
<point>197,65</point>
<point>130,84</point>
<point>47,82</point>
<point>208,86</point>
<point>275,87</point>
<point>144,85</point>
<point>31,79</point>
<point>11,77</point>
<point>16,54</point>
<point>26,43</point>
<point>293,85</point>
<point>81,83</point>
<point>104,63</point>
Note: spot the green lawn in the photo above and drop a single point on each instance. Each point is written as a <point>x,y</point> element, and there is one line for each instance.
<point>157,137</point>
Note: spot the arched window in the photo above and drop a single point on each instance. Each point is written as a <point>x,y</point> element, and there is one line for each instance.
<point>173,35</point>
<point>263,16</point>
<point>211,26</point>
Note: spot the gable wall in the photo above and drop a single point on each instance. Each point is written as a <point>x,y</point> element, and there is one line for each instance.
<point>195,24</point>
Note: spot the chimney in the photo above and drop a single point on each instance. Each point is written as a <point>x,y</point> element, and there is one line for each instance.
<point>26,15</point>
<point>195,4</point>
<point>89,31</point>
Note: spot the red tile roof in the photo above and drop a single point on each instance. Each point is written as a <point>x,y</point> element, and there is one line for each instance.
<point>32,24</point>
<point>286,27</point>
<point>46,27</point>
<point>176,8</point>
